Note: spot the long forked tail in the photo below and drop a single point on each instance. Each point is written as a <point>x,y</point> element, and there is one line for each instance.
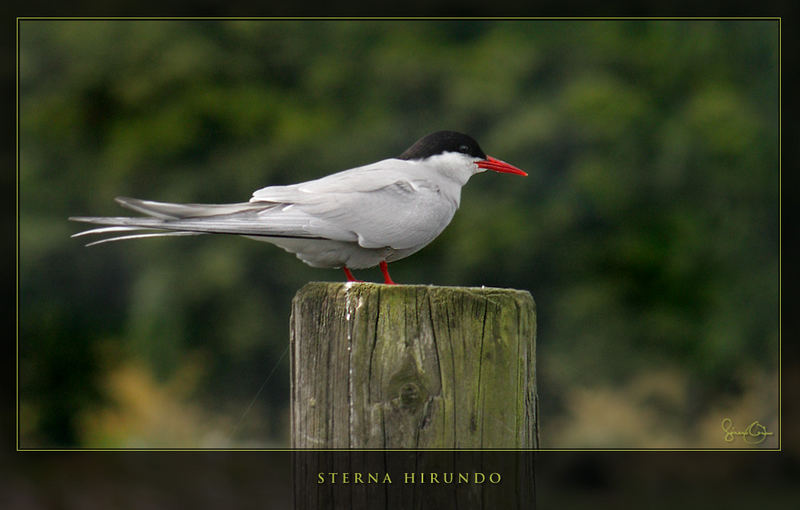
<point>167,219</point>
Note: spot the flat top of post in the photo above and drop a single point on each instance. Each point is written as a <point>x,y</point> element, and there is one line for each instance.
<point>437,290</point>
<point>349,285</point>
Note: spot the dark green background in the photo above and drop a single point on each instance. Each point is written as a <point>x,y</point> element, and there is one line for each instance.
<point>647,230</point>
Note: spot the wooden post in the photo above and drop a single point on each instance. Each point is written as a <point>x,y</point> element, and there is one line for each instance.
<point>412,366</point>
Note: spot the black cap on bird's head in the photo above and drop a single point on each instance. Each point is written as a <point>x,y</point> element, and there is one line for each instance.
<point>453,141</point>
<point>441,142</point>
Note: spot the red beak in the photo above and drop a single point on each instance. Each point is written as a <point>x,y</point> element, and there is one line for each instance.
<point>491,163</point>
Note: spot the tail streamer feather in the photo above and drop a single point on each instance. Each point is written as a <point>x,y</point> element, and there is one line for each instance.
<point>254,219</point>
<point>142,236</point>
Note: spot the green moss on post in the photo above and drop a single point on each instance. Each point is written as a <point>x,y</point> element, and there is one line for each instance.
<point>411,366</point>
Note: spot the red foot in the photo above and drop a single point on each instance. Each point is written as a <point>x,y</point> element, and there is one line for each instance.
<point>385,269</point>
<point>350,277</point>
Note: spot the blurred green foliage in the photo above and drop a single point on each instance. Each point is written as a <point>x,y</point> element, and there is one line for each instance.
<point>647,231</point>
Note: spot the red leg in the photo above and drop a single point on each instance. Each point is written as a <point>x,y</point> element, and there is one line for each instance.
<point>350,277</point>
<point>385,269</point>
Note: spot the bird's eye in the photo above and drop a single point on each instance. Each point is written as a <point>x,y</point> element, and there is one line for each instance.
<point>464,149</point>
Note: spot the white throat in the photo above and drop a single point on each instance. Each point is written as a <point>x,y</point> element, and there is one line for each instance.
<point>454,166</point>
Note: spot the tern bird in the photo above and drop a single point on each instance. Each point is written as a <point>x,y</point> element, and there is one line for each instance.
<point>357,218</point>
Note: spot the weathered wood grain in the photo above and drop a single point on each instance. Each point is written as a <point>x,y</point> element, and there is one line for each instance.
<point>377,366</point>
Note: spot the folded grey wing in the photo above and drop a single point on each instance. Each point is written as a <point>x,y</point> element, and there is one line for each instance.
<point>382,204</point>
<point>401,215</point>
